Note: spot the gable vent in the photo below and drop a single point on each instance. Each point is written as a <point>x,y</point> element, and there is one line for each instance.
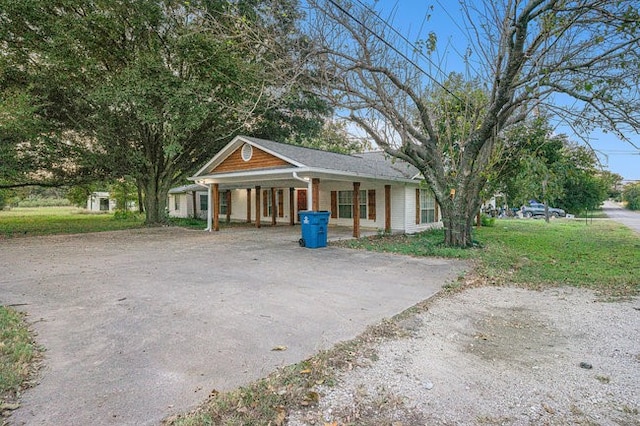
<point>247,152</point>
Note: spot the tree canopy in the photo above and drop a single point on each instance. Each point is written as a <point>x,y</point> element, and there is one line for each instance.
<point>577,60</point>
<point>146,89</point>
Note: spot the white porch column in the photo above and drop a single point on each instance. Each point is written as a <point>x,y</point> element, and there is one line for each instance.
<point>310,194</point>
<point>209,207</point>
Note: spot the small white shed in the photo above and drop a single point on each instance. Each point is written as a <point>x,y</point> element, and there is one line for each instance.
<point>100,202</point>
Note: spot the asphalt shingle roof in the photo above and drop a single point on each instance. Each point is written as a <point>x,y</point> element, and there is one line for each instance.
<point>377,164</point>
<point>187,188</point>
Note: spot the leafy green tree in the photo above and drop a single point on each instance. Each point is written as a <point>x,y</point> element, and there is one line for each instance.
<point>577,59</point>
<point>613,182</point>
<point>125,193</point>
<point>528,168</point>
<point>334,137</point>
<point>78,194</point>
<point>583,185</point>
<point>547,167</point>
<point>631,195</point>
<point>148,89</point>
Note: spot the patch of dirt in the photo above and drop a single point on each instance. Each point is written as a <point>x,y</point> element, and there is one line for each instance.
<point>494,356</point>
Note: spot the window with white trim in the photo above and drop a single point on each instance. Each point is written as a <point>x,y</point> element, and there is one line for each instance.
<point>427,206</point>
<point>223,202</point>
<point>345,204</point>
<point>204,202</point>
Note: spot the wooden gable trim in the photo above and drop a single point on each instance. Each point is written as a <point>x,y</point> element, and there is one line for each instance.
<point>259,160</point>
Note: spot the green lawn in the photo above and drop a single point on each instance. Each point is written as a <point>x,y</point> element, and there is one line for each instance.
<point>601,255</point>
<point>28,221</point>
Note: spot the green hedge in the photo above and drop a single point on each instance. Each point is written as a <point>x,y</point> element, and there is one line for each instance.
<point>44,202</point>
<point>631,195</point>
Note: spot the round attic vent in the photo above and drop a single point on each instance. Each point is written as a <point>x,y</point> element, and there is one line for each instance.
<point>247,152</point>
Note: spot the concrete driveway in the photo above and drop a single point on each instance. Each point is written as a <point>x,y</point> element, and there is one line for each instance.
<point>142,324</point>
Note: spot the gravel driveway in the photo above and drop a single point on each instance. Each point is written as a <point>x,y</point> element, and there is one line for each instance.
<point>498,356</point>
<point>142,324</point>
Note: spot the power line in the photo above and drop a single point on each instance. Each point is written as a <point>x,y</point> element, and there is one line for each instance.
<point>389,45</point>
<point>412,45</point>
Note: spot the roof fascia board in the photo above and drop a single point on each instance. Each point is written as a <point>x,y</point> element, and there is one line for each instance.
<point>235,144</point>
<point>303,172</point>
<point>222,154</point>
<point>275,154</point>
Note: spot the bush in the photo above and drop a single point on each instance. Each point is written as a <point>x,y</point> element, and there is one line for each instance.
<point>44,202</point>
<point>486,220</point>
<point>125,215</point>
<point>631,195</point>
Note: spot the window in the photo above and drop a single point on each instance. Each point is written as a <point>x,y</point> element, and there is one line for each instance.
<point>427,207</point>
<point>204,202</point>
<point>247,152</point>
<point>345,204</point>
<point>266,203</point>
<point>176,202</point>
<point>280,197</point>
<point>223,202</point>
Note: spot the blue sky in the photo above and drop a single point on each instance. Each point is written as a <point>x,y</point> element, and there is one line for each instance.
<point>409,17</point>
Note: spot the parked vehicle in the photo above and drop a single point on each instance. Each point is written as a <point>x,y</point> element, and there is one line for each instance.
<point>537,209</point>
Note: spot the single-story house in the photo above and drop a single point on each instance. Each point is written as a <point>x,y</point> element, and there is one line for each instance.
<point>258,181</point>
<point>100,202</point>
<point>188,201</point>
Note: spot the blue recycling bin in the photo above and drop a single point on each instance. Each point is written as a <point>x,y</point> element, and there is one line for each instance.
<point>314,228</point>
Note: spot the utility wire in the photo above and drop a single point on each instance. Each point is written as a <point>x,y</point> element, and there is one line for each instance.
<point>392,47</point>
<point>396,32</point>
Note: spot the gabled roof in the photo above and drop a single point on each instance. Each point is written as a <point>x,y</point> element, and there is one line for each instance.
<point>374,164</point>
<point>187,188</point>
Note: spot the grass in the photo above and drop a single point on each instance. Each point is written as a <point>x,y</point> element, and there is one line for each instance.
<point>428,243</point>
<point>19,222</point>
<point>18,354</point>
<point>592,214</point>
<point>602,256</point>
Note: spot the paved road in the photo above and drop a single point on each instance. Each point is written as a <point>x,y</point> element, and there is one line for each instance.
<point>628,218</point>
<point>139,325</point>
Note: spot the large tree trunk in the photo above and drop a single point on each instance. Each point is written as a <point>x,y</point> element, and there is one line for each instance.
<point>459,208</point>
<point>458,223</point>
<point>140,199</point>
<point>155,200</point>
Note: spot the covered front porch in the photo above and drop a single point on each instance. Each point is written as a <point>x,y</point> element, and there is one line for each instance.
<point>265,182</point>
<point>276,199</point>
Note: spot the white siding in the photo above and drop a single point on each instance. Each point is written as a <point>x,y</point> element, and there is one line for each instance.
<point>96,199</point>
<point>182,207</point>
<point>410,216</point>
<point>398,208</point>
